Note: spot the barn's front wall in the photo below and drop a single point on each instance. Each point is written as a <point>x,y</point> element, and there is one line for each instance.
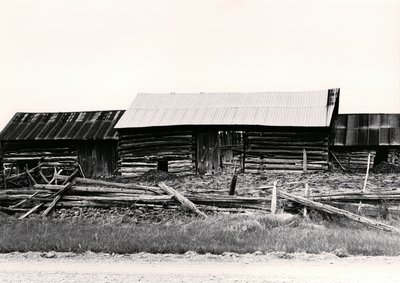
<point>95,158</point>
<point>183,150</point>
<point>291,149</point>
<point>140,151</point>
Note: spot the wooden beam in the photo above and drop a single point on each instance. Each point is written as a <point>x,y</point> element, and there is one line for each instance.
<point>336,211</point>
<point>180,198</point>
<point>274,198</point>
<point>155,190</point>
<point>304,160</point>
<point>31,211</point>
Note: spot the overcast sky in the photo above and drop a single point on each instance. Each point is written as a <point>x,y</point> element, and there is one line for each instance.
<point>71,55</point>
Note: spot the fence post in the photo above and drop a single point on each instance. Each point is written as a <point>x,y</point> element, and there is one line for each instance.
<point>274,198</point>
<point>304,160</point>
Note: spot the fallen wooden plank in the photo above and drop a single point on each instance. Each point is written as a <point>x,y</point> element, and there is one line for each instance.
<point>88,181</point>
<point>180,198</point>
<point>333,210</point>
<point>51,206</point>
<point>90,189</point>
<point>24,201</point>
<point>13,210</point>
<point>31,211</point>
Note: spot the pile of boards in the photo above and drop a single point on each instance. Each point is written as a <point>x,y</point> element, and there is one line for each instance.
<point>64,191</point>
<point>71,191</point>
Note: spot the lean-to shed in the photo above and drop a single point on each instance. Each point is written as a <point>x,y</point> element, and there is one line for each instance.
<point>210,132</point>
<point>357,135</point>
<point>61,141</point>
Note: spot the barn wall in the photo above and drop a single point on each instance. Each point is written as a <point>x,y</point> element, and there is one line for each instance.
<point>141,151</point>
<point>231,150</point>
<point>97,158</point>
<point>283,149</point>
<point>18,155</point>
<point>354,159</point>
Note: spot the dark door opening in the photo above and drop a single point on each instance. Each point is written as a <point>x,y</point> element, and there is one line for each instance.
<point>162,165</point>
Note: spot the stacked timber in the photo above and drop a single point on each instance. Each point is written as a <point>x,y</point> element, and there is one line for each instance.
<point>167,151</point>
<point>286,150</point>
<point>82,192</point>
<point>354,160</point>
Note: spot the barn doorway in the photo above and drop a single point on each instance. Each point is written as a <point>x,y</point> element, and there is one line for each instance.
<point>208,156</point>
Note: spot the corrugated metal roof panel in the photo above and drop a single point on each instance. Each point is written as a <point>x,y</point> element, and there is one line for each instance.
<point>298,109</point>
<point>367,130</point>
<point>93,125</point>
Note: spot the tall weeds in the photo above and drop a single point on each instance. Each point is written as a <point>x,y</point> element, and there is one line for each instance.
<point>214,235</point>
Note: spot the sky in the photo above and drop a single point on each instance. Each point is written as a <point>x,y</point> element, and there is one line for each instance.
<point>70,55</point>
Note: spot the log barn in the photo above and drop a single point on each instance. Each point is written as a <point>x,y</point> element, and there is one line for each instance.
<point>185,133</point>
<point>355,136</point>
<point>62,141</point>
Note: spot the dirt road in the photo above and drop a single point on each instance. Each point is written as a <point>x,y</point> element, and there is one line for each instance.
<point>89,267</point>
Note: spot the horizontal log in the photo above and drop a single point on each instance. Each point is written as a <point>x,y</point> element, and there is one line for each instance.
<point>336,211</point>
<point>111,184</point>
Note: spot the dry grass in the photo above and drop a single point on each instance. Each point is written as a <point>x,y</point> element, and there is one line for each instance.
<point>215,235</point>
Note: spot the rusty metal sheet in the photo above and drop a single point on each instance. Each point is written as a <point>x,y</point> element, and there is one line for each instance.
<point>367,130</point>
<point>92,125</point>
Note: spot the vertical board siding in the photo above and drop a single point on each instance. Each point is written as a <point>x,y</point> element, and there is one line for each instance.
<point>140,152</point>
<point>98,158</point>
<point>231,150</point>
<point>284,150</point>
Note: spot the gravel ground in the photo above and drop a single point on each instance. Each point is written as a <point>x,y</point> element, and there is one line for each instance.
<point>191,267</point>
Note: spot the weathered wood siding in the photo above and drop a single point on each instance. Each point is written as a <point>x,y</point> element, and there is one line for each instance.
<point>139,152</point>
<point>231,150</point>
<point>354,159</point>
<point>286,150</point>
<point>98,158</point>
<point>1,167</point>
<point>18,155</point>
<point>394,156</point>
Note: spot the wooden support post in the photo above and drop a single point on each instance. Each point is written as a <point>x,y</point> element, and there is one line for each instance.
<point>306,195</point>
<point>365,183</point>
<point>181,199</point>
<point>233,184</point>
<point>274,198</point>
<point>304,160</point>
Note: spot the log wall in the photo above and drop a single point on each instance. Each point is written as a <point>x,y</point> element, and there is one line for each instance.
<point>354,159</point>
<point>293,150</point>
<point>28,154</point>
<point>141,152</point>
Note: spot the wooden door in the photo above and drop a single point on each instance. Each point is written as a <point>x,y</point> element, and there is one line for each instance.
<point>207,152</point>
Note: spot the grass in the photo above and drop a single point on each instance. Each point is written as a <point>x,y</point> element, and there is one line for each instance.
<point>215,235</point>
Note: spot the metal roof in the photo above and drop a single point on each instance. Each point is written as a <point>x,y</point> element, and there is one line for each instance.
<point>297,109</point>
<point>367,130</point>
<point>93,125</point>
